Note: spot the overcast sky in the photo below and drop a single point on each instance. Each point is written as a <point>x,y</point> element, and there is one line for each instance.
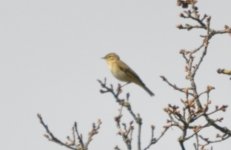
<point>50,59</point>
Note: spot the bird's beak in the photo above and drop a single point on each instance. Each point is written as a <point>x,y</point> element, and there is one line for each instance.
<point>103,57</point>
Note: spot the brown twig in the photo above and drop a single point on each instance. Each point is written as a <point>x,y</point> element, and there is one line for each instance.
<point>153,139</point>
<point>187,119</point>
<point>72,143</point>
<point>128,128</point>
<point>50,135</point>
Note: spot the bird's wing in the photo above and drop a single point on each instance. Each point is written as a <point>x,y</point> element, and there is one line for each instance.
<point>132,74</point>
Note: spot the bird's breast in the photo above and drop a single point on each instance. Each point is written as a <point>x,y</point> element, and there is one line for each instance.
<point>118,73</point>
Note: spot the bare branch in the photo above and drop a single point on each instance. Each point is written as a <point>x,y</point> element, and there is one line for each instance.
<point>72,143</point>
<point>127,129</point>
<point>50,135</point>
<point>194,107</point>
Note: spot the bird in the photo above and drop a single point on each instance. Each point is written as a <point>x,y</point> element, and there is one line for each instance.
<point>123,72</point>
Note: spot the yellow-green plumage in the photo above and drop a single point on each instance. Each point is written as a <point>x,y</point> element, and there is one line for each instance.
<point>123,72</point>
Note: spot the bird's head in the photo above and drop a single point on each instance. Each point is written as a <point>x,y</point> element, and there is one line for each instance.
<point>111,57</point>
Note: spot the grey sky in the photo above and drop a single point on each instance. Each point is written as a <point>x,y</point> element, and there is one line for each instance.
<point>50,60</point>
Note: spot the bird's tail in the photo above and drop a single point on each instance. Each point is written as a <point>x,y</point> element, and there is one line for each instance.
<point>148,90</point>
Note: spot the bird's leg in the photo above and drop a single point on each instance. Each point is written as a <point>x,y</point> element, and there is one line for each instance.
<point>125,84</point>
<point>119,89</point>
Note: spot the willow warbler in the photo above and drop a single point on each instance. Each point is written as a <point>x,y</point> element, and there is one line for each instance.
<point>123,72</point>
